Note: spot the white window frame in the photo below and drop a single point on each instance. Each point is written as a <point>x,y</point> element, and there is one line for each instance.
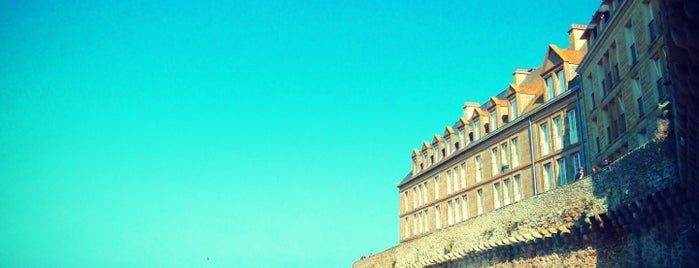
<point>449,182</point>
<point>450,213</point>
<point>436,187</point>
<point>562,172</point>
<point>547,172</point>
<point>506,190</point>
<point>464,207</point>
<point>480,200</point>
<point>463,174</point>
<point>493,120</point>
<point>479,168</point>
<point>558,133</point>
<point>545,138</point>
<point>514,147</point>
<point>497,192</point>
<point>494,160</point>
<point>572,126</point>
<point>517,179</point>
<point>457,209</point>
<point>560,76</point>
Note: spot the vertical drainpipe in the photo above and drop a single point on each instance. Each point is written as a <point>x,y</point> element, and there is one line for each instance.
<point>582,129</point>
<point>531,155</point>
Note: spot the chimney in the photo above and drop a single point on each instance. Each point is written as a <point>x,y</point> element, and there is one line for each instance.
<point>574,37</point>
<point>469,107</point>
<point>519,75</point>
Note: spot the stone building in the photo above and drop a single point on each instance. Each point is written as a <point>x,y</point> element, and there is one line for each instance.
<point>623,78</point>
<point>631,98</point>
<point>522,141</point>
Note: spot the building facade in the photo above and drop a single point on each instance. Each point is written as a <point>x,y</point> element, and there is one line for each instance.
<point>522,141</point>
<point>632,88</point>
<point>623,78</point>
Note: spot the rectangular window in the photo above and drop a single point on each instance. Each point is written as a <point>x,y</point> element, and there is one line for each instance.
<point>561,81</point>
<point>419,222</point>
<point>562,179</point>
<point>456,179</point>
<point>419,195</point>
<point>657,67</point>
<point>652,28</point>
<point>622,123</point>
<point>457,209</point>
<point>513,108</point>
<point>576,161</point>
<point>494,161</point>
<point>464,207</point>
<point>436,188</point>
<point>414,197</point>
<point>426,221</point>
<point>479,169</point>
<point>602,82</point>
<point>515,152</point>
<point>406,228</point>
<point>498,195</point>
<point>504,157</point>
<point>448,182</point>
<point>450,213</point>
<point>437,217</point>
<point>592,100</point>
<point>631,43</point>
<point>480,201</point>
<point>549,87</point>
<point>425,196</point>
<point>639,103</point>
<point>405,201</point>
<point>548,178</point>
<point>544,135</point>
<point>518,188</point>
<point>463,175</point>
<point>415,231</point>
<point>507,185</point>
<point>572,127</point>
<point>558,133</point>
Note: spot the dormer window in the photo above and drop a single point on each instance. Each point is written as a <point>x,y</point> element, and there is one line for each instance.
<point>493,119</point>
<point>561,82</point>
<point>444,152</point>
<point>549,88</point>
<point>486,126</point>
<point>431,159</point>
<point>456,146</point>
<point>513,108</point>
<point>477,130</point>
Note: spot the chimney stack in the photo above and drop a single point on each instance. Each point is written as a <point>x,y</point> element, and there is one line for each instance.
<point>574,37</point>
<point>469,107</point>
<point>519,75</point>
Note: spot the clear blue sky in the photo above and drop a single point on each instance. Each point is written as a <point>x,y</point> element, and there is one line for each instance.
<point>257,134</point>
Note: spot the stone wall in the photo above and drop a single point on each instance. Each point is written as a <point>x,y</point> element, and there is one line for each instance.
<point>621,214</point>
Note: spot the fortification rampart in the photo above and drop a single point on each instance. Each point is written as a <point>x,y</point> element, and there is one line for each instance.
<point>631,211</point>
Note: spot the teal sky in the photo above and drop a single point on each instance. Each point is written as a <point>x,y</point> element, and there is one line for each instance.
<point>251,133</point>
